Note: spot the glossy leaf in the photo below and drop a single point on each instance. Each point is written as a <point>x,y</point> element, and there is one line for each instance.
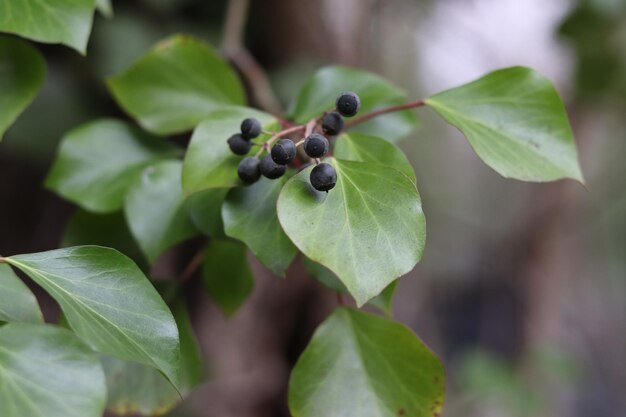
<point>361,365</point>
<point>47,371</point>
<point>138,389</point>
<point>359,147</point>
<point>209,163</point>
<point>155,209</point>
<point>516,122</point>
<point>319,93</point>
<point>17,302</point>
<point>109,303</point>
<point>227,276</point>
<point>99,160</point>
<point>369,230</point>
<point>205,209</point>
<point>49,21</point>
<point>22,70</point>
<point>176,85</point>
<point>249,214</point>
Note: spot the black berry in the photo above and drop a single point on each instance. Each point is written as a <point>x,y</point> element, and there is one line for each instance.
<point>284,151</point>
<point>248,170</point>
<point>323,177</point>
<point>239,145</point>
<point>332,123</point>
<point>316,145</point>
<point>250,128</point>
<point>271,169</point>
<point>348,104</point>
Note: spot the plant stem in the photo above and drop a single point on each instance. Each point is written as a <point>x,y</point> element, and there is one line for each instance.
<point>193,266</point>
<point>3,260</point>
<point>379,112</point>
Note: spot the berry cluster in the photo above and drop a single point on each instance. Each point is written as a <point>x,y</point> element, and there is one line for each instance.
<point>274,164</point>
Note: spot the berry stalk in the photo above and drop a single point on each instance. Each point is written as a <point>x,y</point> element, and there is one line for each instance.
<point>379,112</point>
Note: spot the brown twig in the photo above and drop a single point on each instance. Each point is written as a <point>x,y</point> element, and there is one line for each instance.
<point>379,112</point>
<point>192,267</point>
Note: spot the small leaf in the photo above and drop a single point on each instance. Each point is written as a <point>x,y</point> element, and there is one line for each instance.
<point>249,215</point>
<point>361,365</point>
<point>109,303</point>
<point>359,147</point>
<point>23,72</point>
<point>47,371</point>
<point>227,276</point>
<point>17,302</point>
<point>99,160</point>
<point>516,122</point>
<point>49,21</point>
<point>176,85</point>
<point>369,230</point>
<point>205,209</point>
<point>138,389</point>
<point>320,92</point>
<point>105,7</point>
<point>155,209</point>
<point>209,163</point>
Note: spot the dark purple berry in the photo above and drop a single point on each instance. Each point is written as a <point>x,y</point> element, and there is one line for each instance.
<point>239,145</point>
<point>332,123</point>
<point>248,170</point>
<point>323,177</point>
<point>348,104</point>
<point>316,145</point>
<point>250,128</point>
<point>284,152</point>
<point>271,169</point>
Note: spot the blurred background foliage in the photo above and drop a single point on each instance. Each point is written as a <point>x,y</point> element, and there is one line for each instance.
<point>522,289</point>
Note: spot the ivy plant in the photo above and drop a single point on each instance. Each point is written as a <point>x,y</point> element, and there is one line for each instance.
<point>325,184</point>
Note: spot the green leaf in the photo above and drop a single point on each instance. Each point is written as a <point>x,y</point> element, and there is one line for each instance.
<point>227,276</point>
<point>109,230</point>
<point>516,122</point>
<point>369,230</point>
<point>320,92</point>
<point>138,389</point>
<point>249,215</point>
<point>17,302</point>
<point>22,72</point>
<point>176,85</point>
<point>361,365</point>
<point>109,303</point>
<point>99,160</point>
<point>205,209</point>
<point>155,209</point>
<point>360,147</point>
<point>209,163</point>
<point>47,371</point>
<point>105,7</point>
<point>50,21</point>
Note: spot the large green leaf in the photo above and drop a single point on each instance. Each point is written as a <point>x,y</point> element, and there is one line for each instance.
<point>109,303</point>
<point>359,147</point>
<point>22,72</point>
<point>319,93</point>
<point>17,302</point>
<point>205,209</point>
<point>99,160</point>
<point>369,230</point>
<point>155,209</point>
<point>138,389</point>
<point>227,276</point>
<point>249,214</point>
<point>176,85</point>
<point>46,371</point>
<point>50,21</point>
<point>516,122</point>
<point>209,163</point>
<point>361,365</point>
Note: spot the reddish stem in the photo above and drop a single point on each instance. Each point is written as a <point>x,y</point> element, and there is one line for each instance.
<point>379,112</point>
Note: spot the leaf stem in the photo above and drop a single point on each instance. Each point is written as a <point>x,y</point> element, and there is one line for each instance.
<point>193,266</point>
<point>3,260</point>
<point>385,110</point>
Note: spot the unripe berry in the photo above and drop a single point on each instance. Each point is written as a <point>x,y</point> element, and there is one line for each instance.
<point>316,145</point>
<point>323,177</point>
<point>284,152</point>
<point>332,123</point>
<point>271,169</point>
<point>348,104</point>
<point>239,145</point>
<point>250,128</point>
<point>248,170</point>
